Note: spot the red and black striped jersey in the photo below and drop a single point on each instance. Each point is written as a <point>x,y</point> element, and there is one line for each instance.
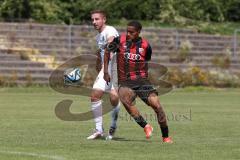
<point>132,59</point>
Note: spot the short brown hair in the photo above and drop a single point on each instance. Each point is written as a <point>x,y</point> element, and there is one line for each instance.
<point>103,13</point>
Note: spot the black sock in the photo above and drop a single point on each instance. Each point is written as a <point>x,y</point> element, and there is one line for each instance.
<point>141,121</point>
<point>164,131</point>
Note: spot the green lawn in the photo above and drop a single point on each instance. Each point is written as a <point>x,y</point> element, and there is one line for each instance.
<point>204,124</point>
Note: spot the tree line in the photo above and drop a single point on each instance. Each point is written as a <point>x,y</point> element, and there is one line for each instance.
<point>77,11</point>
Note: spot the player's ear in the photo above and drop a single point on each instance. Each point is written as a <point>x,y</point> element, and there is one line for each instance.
<point>138,31</point>
<point>104,19</point>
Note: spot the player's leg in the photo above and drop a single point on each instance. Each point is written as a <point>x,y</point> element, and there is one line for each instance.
<point>149,95</point>
<point>127,97</point>
<point>114,99</point>
<point>154,102</point>
<point>96,105</point>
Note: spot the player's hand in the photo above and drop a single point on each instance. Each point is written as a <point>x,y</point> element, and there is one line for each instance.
<point>106,77</point>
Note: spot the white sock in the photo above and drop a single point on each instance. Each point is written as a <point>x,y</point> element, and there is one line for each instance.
<point>97,113</point>
<point>114,115</point>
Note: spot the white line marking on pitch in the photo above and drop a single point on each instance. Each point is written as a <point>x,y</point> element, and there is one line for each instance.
<point>33,155</point>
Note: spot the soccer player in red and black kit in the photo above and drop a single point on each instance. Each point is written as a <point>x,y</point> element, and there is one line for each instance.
<point>133,54</point>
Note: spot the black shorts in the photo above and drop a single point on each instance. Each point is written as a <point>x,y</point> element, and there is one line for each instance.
<point>142,88</point>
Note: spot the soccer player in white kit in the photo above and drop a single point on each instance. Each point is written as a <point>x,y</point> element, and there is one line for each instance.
<point>106,34</point>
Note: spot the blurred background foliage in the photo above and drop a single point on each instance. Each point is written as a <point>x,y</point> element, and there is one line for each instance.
<point>77,11</point>
<point>209,16</point>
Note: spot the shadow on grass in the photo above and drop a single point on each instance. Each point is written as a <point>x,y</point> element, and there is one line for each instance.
<point>129,140</point>
<point>122,139</point>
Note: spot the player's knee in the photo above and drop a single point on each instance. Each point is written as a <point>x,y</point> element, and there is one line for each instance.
<point>114,100</point>
<point>157,108</point>
<point>95,97</point>
<point>154,102</point>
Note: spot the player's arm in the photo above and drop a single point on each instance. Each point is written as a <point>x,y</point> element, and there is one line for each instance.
<point>98,61</point>
<point>110,47</point>
<point>106,75</point>
<point>148,53</point>
<point>106,63</point>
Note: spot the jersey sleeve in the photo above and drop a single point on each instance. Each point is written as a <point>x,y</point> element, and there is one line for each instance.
<point>148,52</point>
<point>114,45</point>
<point>112,32</point>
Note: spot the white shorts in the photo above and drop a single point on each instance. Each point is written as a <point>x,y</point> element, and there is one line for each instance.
<point>100,83</point>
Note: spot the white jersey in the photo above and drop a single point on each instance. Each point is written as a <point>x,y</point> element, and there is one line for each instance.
<point>102,39</point>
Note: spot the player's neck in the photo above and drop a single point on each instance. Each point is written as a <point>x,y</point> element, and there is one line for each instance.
<point>102,28</point>
<point>136,39</point>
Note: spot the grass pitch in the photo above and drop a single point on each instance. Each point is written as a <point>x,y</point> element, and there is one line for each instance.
<point>204,124</point>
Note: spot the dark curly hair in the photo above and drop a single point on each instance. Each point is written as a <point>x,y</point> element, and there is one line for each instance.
<point>135,24</point>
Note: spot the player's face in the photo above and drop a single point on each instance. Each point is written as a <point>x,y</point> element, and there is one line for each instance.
<point>132,33</point>
<point>98,21</point>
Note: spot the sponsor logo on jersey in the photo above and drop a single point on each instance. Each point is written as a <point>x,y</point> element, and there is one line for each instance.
<point>132,56</point>
<point>140,50</point>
